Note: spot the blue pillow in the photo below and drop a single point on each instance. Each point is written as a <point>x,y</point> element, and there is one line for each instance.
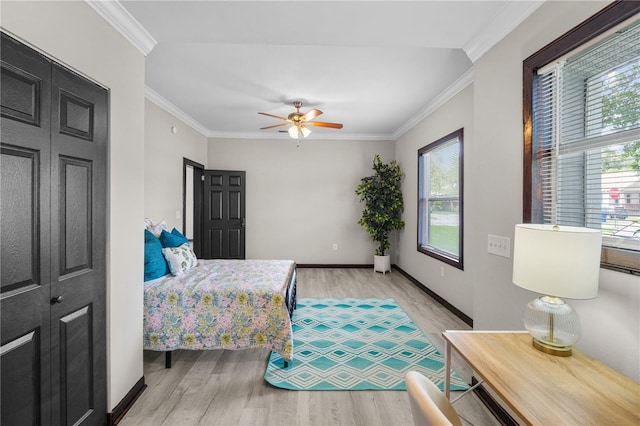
<point>177,233</point>
<point>173,239</point>
<point>155,265</point>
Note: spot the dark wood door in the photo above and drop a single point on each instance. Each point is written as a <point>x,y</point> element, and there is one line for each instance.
<point>25,230</point>
<point>61,377</point>
<point>223,227</point>
<point>78,248</point>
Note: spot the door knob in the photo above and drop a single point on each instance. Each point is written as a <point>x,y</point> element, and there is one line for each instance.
<point>55,300</point>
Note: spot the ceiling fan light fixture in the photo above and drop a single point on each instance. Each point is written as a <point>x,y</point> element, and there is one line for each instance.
<point>297,129</point>
<point>293,132</point>
<point>298,121</point>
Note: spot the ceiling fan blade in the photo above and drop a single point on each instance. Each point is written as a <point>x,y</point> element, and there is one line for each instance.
<point>323,124</point>
<point>274,116</point>
<point>275,125</point>
<point>311,115</point>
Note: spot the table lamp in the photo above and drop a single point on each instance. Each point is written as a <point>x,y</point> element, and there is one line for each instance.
<point>557,261</point>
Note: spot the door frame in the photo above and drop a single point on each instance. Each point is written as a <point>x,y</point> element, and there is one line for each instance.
<point>198,174</point>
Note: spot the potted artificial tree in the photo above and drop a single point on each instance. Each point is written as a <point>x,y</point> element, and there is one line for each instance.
<point>382,195</point>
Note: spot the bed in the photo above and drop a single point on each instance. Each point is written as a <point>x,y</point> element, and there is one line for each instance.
<point>222,304</point>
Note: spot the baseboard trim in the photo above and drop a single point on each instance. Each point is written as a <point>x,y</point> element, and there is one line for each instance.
<point>334,266</point>
<point>496,409</point>
<point>464,317</point>
<point>114,417</point>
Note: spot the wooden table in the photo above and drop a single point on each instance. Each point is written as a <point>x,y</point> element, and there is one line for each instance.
<point>544,389</point>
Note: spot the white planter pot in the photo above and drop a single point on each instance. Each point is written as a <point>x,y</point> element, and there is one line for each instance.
<point>382,263</point>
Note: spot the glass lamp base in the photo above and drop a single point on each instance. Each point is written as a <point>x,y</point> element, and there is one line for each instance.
<point>553,324</point>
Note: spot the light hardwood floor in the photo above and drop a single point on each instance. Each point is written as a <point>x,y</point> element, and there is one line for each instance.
<point>227,387</point>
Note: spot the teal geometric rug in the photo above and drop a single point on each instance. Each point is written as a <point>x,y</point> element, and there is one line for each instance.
<point>356,344</point>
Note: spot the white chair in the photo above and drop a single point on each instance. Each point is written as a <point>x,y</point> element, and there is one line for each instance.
<point>429,406</point>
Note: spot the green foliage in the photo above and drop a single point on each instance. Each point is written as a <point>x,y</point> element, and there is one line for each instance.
<point>443,166</point>
<point>632,151</point>
<point>621,110</point>
<point>382,195</point>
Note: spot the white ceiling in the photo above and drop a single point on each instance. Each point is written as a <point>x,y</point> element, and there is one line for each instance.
<point>378,67</point>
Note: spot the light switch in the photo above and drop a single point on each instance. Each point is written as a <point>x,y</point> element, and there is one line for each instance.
<point>500,246</point>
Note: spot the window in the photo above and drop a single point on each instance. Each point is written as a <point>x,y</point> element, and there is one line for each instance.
<point>440,199</point>
<point>582,132</point>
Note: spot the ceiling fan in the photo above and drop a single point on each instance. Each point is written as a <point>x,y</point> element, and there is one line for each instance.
<point>298,121</point>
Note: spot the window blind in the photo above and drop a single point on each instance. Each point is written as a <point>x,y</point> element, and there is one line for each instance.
<point>586,116</point>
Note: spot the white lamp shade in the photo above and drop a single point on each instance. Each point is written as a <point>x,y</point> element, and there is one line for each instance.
<point>293,132</point>
<point>561,261</point>
<point>305,131</point>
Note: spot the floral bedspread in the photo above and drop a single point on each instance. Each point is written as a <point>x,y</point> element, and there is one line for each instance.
<point>221,304</point>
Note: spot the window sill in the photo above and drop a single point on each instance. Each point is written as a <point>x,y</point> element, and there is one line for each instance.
<point>441,256</point>
<point>620,260</point>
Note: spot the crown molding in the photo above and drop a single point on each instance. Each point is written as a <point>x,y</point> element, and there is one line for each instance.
<point>119,18</point>
<point>511,15</point>
<point>457,86</point>
<point>154,97</point>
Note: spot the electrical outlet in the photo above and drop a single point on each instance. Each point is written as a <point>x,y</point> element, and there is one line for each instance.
<point>335,246</point>
<point>500,246</point>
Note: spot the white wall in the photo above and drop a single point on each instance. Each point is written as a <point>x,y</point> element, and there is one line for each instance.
<point>493,200</point>
<point>453,285</point>
<point>163,158</point>
<point>74,34</point>
<point>301,200</point>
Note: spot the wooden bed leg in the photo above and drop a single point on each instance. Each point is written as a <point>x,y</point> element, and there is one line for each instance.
<point>167,359</point>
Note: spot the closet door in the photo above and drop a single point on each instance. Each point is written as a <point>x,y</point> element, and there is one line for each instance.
<point>78,235</point>
<point>25,265</point>
<point>53,229</point>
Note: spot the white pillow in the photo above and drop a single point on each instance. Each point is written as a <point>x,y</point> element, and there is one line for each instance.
<point>180,259</point>
<point>157,228</point>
